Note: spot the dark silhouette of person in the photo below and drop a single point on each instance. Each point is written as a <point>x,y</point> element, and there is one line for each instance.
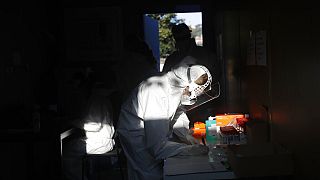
<point>186,46</point>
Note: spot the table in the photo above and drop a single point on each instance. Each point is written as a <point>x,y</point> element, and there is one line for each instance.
<point>195,168</point>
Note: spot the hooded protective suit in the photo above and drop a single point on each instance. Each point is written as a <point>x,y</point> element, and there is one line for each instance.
<point>147,120</point>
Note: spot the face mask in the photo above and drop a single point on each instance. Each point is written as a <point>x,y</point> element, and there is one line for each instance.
<point>194,90</point>
<point>191,97</point>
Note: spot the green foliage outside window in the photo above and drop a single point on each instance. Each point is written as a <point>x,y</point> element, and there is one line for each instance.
<point>165,37</point>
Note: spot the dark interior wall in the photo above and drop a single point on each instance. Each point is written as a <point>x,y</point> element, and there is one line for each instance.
<point>288,86</point>
<point>29,42</point>
<point>18,42</point>
<point>235,22</point>
<point>254,78</point>
<point>22,61</point>
<point>232,60</point>
<point>132,21</point>
<point>93,39</point>
<point>295,84</point>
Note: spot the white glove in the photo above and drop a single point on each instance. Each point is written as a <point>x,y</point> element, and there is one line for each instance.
<point>197,149</point>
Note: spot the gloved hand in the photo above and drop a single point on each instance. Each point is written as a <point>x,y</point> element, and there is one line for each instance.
<point>192,140</point>
<point>197,149</point>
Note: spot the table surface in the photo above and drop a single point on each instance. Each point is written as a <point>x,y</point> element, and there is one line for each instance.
<point>195,167</point>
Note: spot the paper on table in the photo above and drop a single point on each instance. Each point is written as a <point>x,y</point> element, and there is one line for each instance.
<point>190,164</point>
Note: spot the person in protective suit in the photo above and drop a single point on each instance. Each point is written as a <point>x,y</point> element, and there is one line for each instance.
<point>153,113</point>
<point>186,46</point>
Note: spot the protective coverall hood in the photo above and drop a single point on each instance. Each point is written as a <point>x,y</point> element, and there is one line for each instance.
<point>178,76</point>
<point>185,75</point>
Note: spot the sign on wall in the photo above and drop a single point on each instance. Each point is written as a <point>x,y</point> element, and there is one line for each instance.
<point>257,48</point>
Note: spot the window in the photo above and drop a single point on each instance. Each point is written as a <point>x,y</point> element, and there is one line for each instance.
<point>158,34</point>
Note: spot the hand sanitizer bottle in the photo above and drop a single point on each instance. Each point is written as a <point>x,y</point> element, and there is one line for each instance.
<point>211,131</point>
<point>211,138</point>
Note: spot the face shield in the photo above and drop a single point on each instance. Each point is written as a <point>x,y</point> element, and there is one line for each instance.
<point>199,92</point>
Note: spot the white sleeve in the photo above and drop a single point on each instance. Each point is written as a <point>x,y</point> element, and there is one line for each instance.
<point>181,126</point>
<point>156,126</point>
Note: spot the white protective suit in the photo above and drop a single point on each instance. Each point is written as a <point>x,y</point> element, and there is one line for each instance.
<point>148,118</point>
<point>98,124</point>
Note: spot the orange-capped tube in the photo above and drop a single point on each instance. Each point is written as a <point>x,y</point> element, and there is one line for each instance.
<point>199,130</point>
<point>227,119</point>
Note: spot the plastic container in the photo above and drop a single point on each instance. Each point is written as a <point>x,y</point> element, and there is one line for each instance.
<point>241,124</point>
<point>199,130</point>
<point>211,131</point>
<point>228,119</point>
